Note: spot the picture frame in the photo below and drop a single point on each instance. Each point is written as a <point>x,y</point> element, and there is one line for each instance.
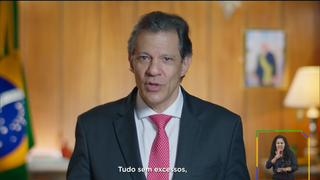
<point>264,58</point>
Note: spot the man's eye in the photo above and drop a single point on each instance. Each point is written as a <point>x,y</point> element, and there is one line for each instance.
<point>167,59</point>
<point>143,58</point>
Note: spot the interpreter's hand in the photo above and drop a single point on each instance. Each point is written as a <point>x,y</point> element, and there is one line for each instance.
<point>277,156</point>
<point>285,169</point>
<point>280,169</point>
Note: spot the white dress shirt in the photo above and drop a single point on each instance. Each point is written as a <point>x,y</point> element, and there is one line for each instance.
<point>147,131</point>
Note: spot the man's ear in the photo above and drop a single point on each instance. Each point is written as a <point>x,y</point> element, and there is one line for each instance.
<point>185,65</point>
<point>130,62</point>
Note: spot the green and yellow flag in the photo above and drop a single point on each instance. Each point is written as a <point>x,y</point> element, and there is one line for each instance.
<point>15,128</point>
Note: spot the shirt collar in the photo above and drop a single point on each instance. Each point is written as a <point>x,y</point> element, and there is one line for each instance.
<point>175,109</point>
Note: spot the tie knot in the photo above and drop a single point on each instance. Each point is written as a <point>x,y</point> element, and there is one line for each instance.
<point>160,120</point>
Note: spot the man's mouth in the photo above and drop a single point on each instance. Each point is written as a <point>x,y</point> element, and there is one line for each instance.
<point>153,86</point>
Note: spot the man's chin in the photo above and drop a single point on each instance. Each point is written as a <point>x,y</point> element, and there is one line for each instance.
<point>151,98</point>
<point>153,101</point>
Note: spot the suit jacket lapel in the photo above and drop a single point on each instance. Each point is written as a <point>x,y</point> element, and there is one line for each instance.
<point>190,128</point>
<point>126,133</point>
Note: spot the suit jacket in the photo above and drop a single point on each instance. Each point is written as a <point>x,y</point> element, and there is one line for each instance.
<point>210,144</point>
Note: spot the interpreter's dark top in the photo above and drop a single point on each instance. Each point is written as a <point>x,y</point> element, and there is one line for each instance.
<point>281,162</point>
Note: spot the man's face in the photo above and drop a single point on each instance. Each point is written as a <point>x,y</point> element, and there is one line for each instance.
<point>265,48</point>
<point>158,68</point>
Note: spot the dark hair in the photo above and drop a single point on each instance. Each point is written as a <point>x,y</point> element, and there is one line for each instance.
<point>286,151</point>
<point>158,21</point>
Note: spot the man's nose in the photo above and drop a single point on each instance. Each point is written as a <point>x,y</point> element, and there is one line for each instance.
<point>154,68</point>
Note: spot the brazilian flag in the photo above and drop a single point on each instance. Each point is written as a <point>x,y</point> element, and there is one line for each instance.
<point>15,128</point>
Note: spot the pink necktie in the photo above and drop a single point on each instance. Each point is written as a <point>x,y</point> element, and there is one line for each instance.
<point>159,155</point>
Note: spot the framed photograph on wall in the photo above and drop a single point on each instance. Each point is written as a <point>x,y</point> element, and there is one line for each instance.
<point>264,58</point>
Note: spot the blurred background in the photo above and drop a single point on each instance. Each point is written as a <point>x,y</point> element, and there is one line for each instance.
<point>74,57</point>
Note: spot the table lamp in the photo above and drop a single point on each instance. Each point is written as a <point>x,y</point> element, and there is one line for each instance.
<point>304,93</point>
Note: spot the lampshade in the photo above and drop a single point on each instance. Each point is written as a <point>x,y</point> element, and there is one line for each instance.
<point>304,90</point>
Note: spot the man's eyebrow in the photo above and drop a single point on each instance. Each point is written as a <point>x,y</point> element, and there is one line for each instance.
<point>162,55</point>
<point>139,53</point>
<point>168,55</point>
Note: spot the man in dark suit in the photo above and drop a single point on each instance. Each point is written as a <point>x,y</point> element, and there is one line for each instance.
<point>122,140</point>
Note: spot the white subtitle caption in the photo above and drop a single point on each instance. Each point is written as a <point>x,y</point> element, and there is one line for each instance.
<point>132,169</point>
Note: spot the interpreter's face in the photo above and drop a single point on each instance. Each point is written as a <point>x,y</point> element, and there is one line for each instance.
<point>158,68</point>
<point>280,144</point>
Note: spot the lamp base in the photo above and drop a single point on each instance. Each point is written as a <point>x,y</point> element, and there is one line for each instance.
<point>314,150</point>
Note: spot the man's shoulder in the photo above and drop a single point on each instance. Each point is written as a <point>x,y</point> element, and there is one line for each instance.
<point>108,109</point>
<point>112,109</point>
<point>214,118</point>
<point>211,109</point>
